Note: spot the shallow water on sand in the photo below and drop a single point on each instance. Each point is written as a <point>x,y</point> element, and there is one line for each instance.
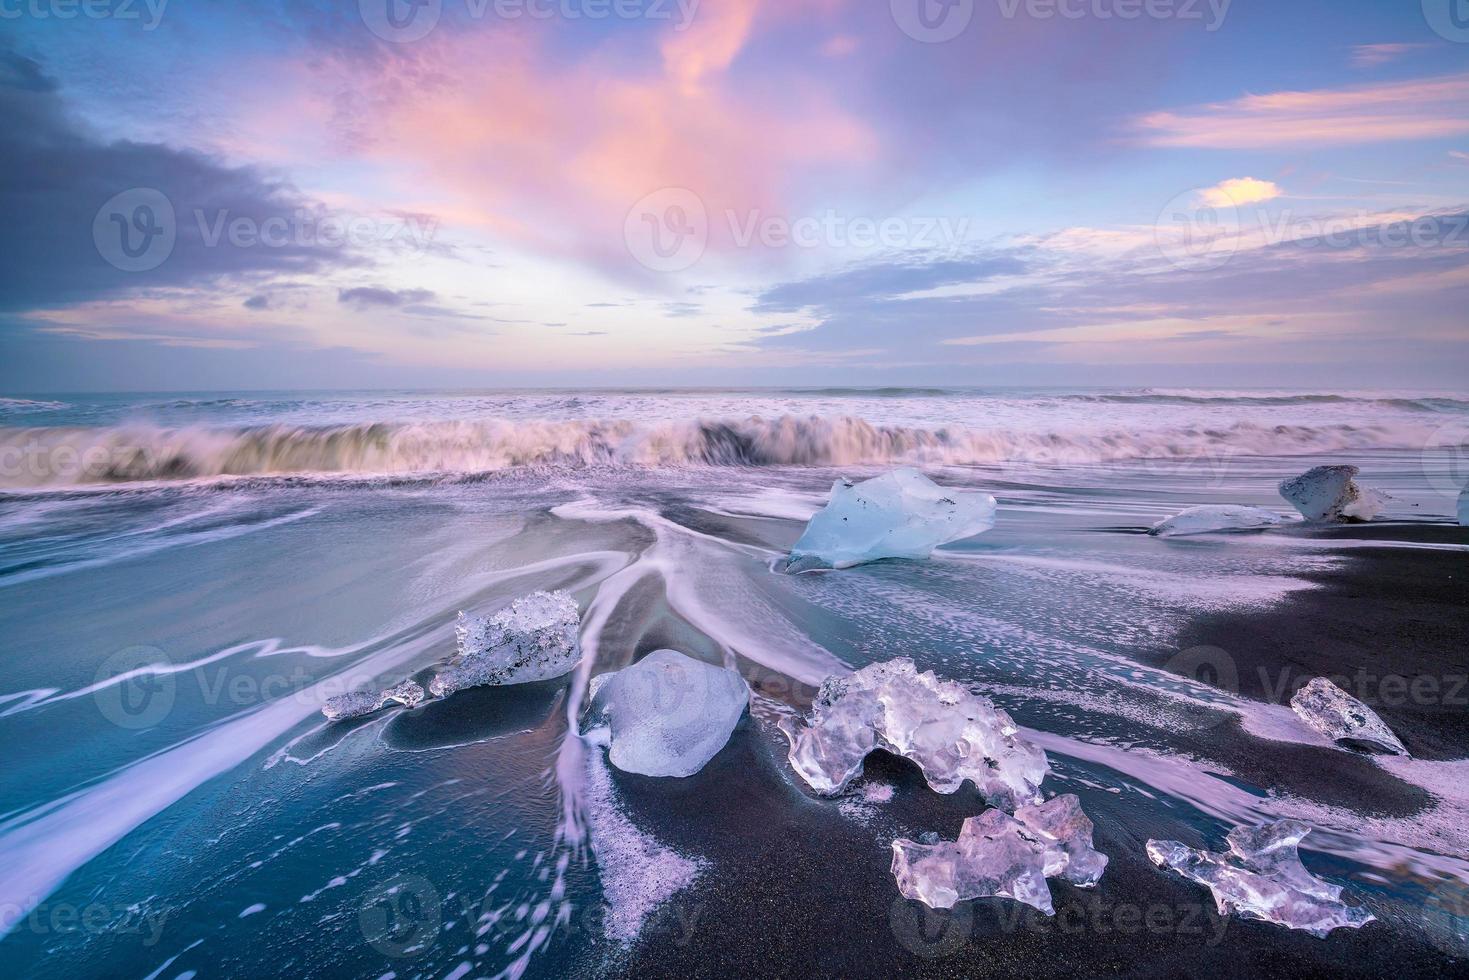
<point>172,800</point>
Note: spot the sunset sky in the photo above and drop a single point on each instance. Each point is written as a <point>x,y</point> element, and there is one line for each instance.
<point>563,192</point>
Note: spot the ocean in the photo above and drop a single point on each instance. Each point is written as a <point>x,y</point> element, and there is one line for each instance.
<point>185,577</point>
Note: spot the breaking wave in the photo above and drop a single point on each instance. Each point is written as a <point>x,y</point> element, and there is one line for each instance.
<point>59,457</point>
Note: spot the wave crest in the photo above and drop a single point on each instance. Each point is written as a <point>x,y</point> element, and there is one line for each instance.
<point>52,457</point>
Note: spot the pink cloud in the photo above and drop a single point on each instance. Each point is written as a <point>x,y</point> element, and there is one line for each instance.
<point>1419,109</point>
<point>553,154</point>
<point>1374,55</point>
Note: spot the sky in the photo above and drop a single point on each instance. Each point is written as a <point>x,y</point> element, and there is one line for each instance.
<point>432,193</point>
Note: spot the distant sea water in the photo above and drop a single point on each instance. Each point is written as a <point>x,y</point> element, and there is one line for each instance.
<point>185,577</point>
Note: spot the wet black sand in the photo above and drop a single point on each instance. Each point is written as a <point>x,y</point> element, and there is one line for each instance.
<point>800,890</point>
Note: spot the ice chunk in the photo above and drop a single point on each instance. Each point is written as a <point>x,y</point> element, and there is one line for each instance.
<point>1331,493</point>
<point>1066,833</point>
<point>1001,856</point>
<point>360,703</point>
<point>951,733</point>
<point>1342,718</point>
<point>667,714</point>
<point>1262,877</point>
<point>1215,517</point>
<point>533,639</point>
<point>1464,508</point>
<point>902,514</point>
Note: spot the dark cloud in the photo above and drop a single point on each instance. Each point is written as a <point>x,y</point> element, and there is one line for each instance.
<point>61,182</point>
<point>378,297</point>
<point>259,302</point>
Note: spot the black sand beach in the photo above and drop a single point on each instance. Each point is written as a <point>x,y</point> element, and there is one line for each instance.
<point>1391,611</point>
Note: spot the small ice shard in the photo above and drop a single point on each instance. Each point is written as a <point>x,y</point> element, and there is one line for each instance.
<point>1343,719</point>
<point>1262,877</point>
<point>1464,508</point>
<point>361,703</point>
<point>1215,517</point>
<point>902,514</point>
<point>951,733</point>
<point>1066,833</point>
<point>1331,493</point>
<point>997,855</point>
<point>667,714</point>
<point>533,639</point>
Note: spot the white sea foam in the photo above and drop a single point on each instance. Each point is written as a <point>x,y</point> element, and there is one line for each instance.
<point>80,456</point>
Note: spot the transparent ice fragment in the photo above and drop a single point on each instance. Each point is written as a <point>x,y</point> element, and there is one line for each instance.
<point>666,715</point>
<point>1331,493</point>
<point>1215,517</point>
<point>902,514</point>
<point>1342,718</point>
<point>1001,856</point>
<point>952,734</point>
<point>361,703</point>
<point>1262,877</point>
<point>533,639</point>
<point>1464,508</point>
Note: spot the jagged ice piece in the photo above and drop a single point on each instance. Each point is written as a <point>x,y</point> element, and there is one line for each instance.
<point>951,733</point>
<point>1331,493</point>
<point>902,514</point>
<point>1262,877</point>
<point>360,703</point>
<point>997,855</point>
<point>1342,718</point>
<point>533,639</point>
